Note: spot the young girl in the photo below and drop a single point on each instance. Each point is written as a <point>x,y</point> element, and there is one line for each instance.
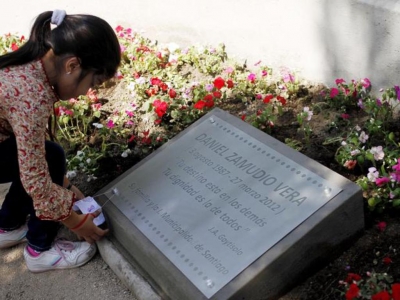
<point>57,62</point>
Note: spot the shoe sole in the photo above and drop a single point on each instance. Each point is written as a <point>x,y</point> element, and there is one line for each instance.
<point>52,268</point>
<point>13,243</point>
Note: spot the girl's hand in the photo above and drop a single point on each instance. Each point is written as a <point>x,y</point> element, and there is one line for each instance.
<point>84,227</point>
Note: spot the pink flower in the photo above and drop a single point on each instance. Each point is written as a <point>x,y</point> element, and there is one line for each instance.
<point>288,78</point>
<point>373,174</point>
<point>69,112</point>
<point>363,137</point>
<point>264,73</point>
<point>366,83</point>
<point>110,124</point>
<point>96,106</point>
<point>309,112</point>
<point>396,167</point>
<point>381,181</point>
<point>339,81</point>
<point>229,70</point>
<point>129,113</point>
<point>377,152</point>
<point>251,77</point>
<point>334,92</point>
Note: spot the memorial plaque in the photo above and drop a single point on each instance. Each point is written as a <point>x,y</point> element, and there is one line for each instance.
<point>216,199</point>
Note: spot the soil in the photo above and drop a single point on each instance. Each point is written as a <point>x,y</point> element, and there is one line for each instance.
<point>365,254</point>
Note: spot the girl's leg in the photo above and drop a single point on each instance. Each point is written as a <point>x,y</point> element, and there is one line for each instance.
<point>18,204</point>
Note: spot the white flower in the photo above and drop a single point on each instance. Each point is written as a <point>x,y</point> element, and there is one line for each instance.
<point>91,177</point>
<point>373,174</point>
<point>131,86</point>
<point>98,125</point>
<point>363,137</point>
<point>80,153</point>
<point>172,47</point>
<point>71,174</point>
<point>355,152</point>
<point>343,143</point>
<point>377,152</point>
<point>309,112</point>
<point>88,161</point>
<point>126,153</point>
<point>141,80</point>
<point>173,57</point>
<point>358,128</point>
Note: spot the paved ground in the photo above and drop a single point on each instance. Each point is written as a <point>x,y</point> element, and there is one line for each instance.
<point>95,280</point>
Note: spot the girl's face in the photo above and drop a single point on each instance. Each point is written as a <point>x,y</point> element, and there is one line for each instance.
<point>69,84</point>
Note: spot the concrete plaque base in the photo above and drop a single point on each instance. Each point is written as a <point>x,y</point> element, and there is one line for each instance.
<point>224,211</point>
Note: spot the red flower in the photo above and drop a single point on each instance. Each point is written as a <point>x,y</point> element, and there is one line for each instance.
<point>131,139</point>
<point>163,86</point>
<point>352,277</point>
<point>219,82</point>
<point>352,292</point>
<point>268,98</point>
<point>396,291</point>
<point>146,133</point>
<point>146,140</point>
<point>158,121</point>
<point>160,107</point>
<point>243,117</point>
<point>281,100</point>
<point>172,93</point>
<point>208,97</point>
<point>57,111</point>
<point>381,226</point>
<point>387,260</point>
<point>209,103</point>
<point>199,104</point>
<point>230,83</point>
<point>217,94</point>
<point>345,116</point>
<point>384,295</point>
<point>14,47</point>
<point>155,81</point>
<point>350,164</point>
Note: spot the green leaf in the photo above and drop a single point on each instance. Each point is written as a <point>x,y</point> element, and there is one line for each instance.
<point>371,202</point>
<point>396,202</point>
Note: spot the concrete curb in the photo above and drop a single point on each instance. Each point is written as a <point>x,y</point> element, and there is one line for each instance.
<point>125,271</point>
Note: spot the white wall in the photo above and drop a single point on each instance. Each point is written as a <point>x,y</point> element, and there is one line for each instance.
<point>322,39</point>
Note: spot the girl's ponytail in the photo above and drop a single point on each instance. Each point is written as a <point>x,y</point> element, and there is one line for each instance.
<point>89,38</point>
<point>35,47</point>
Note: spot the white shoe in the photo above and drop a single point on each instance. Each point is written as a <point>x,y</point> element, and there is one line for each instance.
<point>63,255</point>
<point>13,237</point>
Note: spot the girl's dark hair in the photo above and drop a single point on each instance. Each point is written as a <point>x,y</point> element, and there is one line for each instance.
<point>89,38</point>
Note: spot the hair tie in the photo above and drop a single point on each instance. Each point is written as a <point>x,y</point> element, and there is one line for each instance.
<point>58,16</point>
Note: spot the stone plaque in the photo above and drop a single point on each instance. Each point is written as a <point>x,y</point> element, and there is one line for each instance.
<point>216,199</point>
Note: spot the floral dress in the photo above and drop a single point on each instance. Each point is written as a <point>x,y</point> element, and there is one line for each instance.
<point>26,102</point>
